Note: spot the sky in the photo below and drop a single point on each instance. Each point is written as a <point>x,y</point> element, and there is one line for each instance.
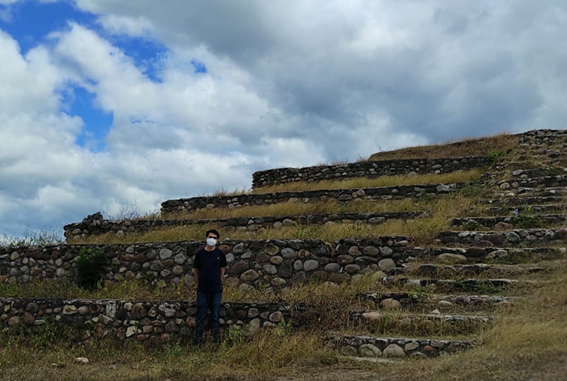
<point>116,106</point>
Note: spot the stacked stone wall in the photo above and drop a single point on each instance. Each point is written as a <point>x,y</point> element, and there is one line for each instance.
<point>342,195</point>
<point>491,252</point>
<point>368,346</point>
<point>271,263</point>
<point>542,137</point>
<point>534,182</point>
<point>135,320</point>
<point>513,237</point>
<point>365,169</point>
<point>507,222</point>
<point>95,224</point>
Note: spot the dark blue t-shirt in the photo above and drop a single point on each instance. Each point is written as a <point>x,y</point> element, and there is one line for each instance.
<point>209,264</point>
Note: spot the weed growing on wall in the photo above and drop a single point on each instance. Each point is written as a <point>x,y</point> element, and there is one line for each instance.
<point>91,265</point>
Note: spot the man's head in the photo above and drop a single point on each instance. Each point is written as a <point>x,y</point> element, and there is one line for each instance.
<point>212,234</point>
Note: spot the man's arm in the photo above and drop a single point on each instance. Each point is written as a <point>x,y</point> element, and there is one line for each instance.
<point>222,272</point>
<point>196,275</point>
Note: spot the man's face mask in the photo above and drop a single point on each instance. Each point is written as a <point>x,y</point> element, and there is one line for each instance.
<point>211,241</point>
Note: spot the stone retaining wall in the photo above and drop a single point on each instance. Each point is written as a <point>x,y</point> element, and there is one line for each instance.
<point>368,346</point>
<point>545,181</point>
<point>388,300</point>
<point>537,172</point>
<point>365,169</point>
<point>342,195</point>
<point>527,200</point>
<point>450,284</point>
<point>514,237</point>
<point>531,209</point>
<point>135,320</point>
<point>95,224</point>
<point>375,317</point>
<point>508,222</point>
<point>542,137</point>
<point>472,253</point>
<point>271,263</point>
<point>468,270</point>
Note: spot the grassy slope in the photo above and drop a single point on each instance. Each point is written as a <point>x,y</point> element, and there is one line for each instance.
<point>467,147</point>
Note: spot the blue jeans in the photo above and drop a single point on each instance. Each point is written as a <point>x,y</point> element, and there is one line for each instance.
<point>207,301</point>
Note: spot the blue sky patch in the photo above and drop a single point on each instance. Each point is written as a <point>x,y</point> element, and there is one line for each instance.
<point>147,54</point>
<point>199,67</point>
<point>31,21</point>
<point>97,123</point>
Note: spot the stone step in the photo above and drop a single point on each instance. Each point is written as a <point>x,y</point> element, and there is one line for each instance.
<point>130,320</point>
<point>418,323</point>
<point>528,209</point>
<point>504,238</point>
<point>404,300</point>
<point>390,347</point>
<point>469,270</point>
<point>509,222</point>
<point>544,191</point>
<point>95,224</point>
<point>543,151</point>
<point>534,182</point>
<point>527,199</point>
<point>537,172</point>
<point>513,254</point>
<point>554,159</point>
<point>548,150</point>
<point>537,193</point>
<point>378,317</point>
<point>342,195</point>
<point>467,285</point>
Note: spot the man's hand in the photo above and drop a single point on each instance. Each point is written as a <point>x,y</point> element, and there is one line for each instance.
<point>222,272</point>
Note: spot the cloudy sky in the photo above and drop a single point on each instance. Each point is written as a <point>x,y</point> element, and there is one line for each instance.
<point>111,105</point>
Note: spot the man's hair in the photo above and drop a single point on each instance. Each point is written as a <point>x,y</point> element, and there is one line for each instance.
<point>212,231</point>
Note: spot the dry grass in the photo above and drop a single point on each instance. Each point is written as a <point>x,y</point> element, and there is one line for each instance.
<point>310,292</point>
<point>359,182</point>
<point>382,181</point>
<point>424,230</point>
<point>467,147</point>
<point>302,209</point>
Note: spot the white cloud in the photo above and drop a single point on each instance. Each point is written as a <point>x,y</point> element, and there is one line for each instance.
<point>341,61</point>
<point>136,27</point>
<point>288,83</point>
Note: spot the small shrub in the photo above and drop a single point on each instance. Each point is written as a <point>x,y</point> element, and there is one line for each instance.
<point>493,156</point>
<point>233,335</point>
<point>91,265</point>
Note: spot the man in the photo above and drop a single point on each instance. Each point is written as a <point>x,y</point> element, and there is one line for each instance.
<point>209,267</point>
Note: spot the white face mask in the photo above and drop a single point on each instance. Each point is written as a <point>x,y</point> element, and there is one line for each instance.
<point>211,242</point>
